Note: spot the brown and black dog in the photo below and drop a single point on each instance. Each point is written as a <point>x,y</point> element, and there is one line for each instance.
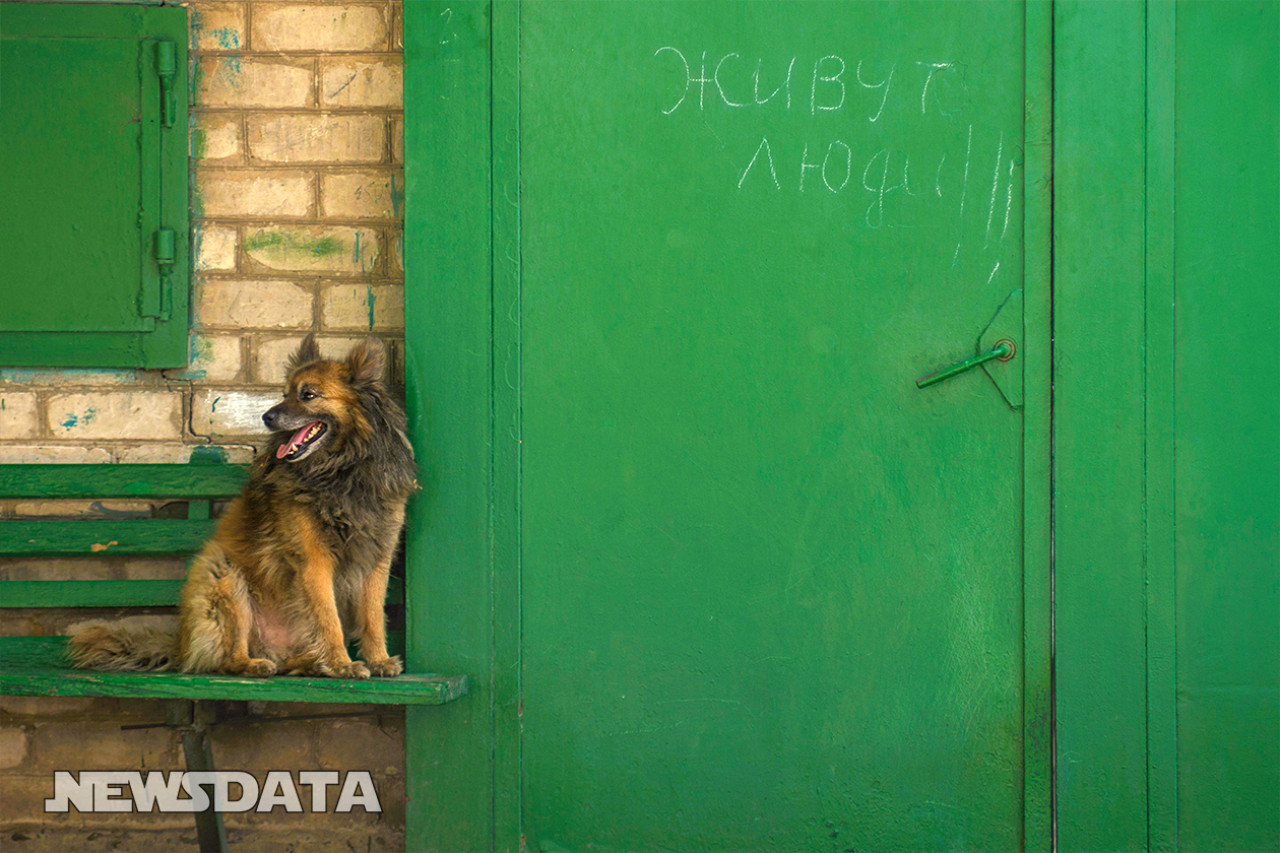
<point>298,564</point>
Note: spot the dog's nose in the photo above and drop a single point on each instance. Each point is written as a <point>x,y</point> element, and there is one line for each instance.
<point>269,418</point>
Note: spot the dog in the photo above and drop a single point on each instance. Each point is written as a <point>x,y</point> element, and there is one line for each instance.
<point>299,561</point>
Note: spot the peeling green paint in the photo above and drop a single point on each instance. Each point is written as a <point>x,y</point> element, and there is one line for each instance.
<point>371,300</point>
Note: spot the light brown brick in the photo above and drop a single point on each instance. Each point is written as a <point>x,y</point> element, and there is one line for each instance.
<point>17,415</point>
<point>210,358</point>
<point>115,414</point>
<point>62,745</point>
<point>320,27</point>
<point>397,254</point>
<point>215,138</point>
<point>13,747</point>
<point>362,195</point>
<point>39,454</point>
<point>314,249</point>
<point>252,304</point>
<point>259,193</point>
<point>230,411</point>
<point>218,26</point>
<point>362,306</point>
<point>397,141</point>
<point>362,744</point>
<point>322,138</point>
<point>235,81</point>
<point>44,706</point>
<point>215,248</point>
<point>271,355</point>
<point>364,82</point>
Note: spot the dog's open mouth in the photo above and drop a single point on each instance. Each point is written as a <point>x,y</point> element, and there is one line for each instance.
<point>303,440</point>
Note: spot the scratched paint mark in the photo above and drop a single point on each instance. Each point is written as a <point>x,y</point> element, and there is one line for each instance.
<point>338,90</point>
<point>98,547</point>
<point>213,407</point>
<point>995,187</point>
<point>70,422</point>
<point>371,299</point>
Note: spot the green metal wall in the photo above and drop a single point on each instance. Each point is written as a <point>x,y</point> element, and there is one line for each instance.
<point>548,585</point>
<point>1167,475</point>
<point>1226,475</point>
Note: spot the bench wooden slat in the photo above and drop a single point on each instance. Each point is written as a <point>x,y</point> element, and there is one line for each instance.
<point>35,666</point>
<point>55,482</point>
<point>113,593</point>
<point>104,538</point>
<point>128,593</point>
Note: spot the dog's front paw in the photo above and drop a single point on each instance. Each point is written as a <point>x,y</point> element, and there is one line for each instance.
<point>350,669</point>
<point>259,668</point>
<point>386,668</point>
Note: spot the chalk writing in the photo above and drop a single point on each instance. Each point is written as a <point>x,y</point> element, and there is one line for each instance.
<point>860,114</point>
<point>826,64</point>
<point>883,84</point>
<point>768,154</point>
<point>724,79</point>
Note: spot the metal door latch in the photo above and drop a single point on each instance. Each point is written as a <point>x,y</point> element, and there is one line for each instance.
<point>995,351</point>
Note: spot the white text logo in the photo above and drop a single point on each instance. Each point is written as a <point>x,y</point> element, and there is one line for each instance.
<point>226,790</point>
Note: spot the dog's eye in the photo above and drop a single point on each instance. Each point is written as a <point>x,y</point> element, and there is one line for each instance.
<point>307,395</point>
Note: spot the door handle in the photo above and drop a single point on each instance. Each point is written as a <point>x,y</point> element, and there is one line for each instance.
<point>1002,351</point>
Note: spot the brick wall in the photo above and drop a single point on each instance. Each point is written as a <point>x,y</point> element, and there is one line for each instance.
<point>297,214</point>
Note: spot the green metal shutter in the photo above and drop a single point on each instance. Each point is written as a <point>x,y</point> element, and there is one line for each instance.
<point>93,186</point>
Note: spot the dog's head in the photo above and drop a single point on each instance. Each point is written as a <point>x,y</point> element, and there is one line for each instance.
<point>324,409</point>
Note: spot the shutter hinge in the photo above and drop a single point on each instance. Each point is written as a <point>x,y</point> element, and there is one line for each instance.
<point>165,258</point>
<point>167,69</point>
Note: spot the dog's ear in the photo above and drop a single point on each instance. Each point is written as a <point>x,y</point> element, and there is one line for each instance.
<point>367,362</point>
<point>308,351</point>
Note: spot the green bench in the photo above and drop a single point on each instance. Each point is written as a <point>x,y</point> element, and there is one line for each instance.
<point>37,666</point>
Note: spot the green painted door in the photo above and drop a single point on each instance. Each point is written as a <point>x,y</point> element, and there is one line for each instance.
<point>723,577</point>
<point>773,595</point>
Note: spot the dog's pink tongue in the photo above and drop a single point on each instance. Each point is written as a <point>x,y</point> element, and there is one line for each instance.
<point>285,449</point>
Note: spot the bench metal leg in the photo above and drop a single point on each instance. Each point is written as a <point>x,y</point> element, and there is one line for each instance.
<point>210,831</point>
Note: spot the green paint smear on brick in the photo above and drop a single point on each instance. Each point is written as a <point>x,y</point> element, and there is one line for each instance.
<point>320,247</point>
<point>371,301</point>
<point>207,453</point>
<point>228,39</point>
<point>73,420</point>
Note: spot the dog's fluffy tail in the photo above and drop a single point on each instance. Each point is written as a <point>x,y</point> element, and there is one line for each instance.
<point>134,644</point>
